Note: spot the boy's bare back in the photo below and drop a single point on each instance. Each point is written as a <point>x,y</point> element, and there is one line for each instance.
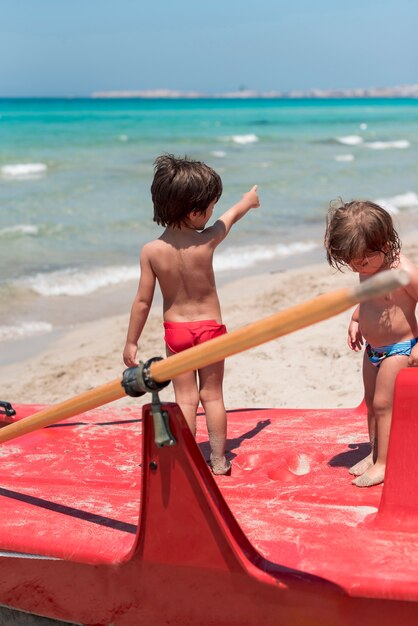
<point>181,260</point>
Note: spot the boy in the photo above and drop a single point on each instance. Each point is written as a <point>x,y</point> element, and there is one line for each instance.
<point>184,194</point>
<point>361,236</point>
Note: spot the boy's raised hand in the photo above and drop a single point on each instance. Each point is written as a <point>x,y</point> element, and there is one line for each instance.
<point>252,197</point>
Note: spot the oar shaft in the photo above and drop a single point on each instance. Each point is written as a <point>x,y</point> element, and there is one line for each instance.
<point>74,406</point>
<point>277,325</point>
<point>252,335</point>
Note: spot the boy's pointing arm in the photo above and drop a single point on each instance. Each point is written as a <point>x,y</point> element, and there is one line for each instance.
<point>223,225</point>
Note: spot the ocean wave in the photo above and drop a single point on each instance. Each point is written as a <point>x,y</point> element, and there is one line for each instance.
<point>408,200</point>
<point>19,230</point>
<point>220,154</point>
<point>400,144</point>
<point>344,158</point>
<point>23,170</point>
<point>350,140</point>
<point>244,139</point>
<point>238,258</point>
<point>25,329</point>
<point>75,282</point>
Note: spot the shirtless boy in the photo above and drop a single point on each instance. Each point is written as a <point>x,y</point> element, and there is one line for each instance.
<point>184,194</point>
<point>361,235</point>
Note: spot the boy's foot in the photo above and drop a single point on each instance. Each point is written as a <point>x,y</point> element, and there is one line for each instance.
<point>373,476</point>
<point>220,466</point>
<point>362,466</point>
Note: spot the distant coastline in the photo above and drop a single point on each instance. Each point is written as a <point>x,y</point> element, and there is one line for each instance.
<point>400,91</point>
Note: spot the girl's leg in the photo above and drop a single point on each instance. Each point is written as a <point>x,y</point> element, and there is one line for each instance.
<point>382,405</point>
<point>369,382</point>
<point>187,396</point>
<point>211,396</point>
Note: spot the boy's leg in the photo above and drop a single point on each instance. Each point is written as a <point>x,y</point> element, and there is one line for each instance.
<point>382,404</point>
<point>369,382</point>
<point>211,396</point>
<point>187,396</point>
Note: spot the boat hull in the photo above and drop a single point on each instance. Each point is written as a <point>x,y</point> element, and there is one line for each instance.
<point>172,544</point>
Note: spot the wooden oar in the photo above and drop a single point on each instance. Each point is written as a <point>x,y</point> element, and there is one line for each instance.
<point>277,325</point>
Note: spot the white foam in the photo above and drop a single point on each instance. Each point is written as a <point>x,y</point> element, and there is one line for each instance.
<point>220,154</point>
<point>23,170</point>
<point>363,126</point>
<point>344,158</point>
<point>19,229</point>
<point>237,258</point>
<point>74,282</point>
<point>402,201</point>
<point>25,329</point>
<point>400,144</point>
<point>244,139</point>
<point>350,140</point>
<point>123,137</point>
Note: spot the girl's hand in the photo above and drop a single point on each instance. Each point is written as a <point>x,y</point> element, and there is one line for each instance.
<point>355,338</point>
<point>413,357</point>
<point>129,355</point>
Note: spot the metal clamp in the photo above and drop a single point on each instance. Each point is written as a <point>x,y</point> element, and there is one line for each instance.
<point>162,432</point>
<point>8,409</point>
<point>137,380</point>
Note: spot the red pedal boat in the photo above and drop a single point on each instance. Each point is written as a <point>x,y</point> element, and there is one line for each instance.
<point>102,526</point>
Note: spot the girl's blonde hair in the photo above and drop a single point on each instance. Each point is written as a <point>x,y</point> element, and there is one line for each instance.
<point>355,229</point>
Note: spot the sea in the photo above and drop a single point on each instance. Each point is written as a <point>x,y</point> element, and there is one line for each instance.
<point>75,177</point>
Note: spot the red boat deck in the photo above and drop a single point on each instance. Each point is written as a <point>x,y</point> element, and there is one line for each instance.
<point>72,491</point>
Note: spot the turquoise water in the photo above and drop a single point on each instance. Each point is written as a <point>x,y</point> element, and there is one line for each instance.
<point>75,176</point>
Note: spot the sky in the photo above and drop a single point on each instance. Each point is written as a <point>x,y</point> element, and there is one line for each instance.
<point>77,47</point>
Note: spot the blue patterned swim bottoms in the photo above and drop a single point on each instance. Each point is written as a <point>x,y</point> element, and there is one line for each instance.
<point>377,355</point>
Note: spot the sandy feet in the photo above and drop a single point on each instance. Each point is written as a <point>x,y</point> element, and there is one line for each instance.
<point>220,466</point>
<point>362,466</point>
<point>375,475</point>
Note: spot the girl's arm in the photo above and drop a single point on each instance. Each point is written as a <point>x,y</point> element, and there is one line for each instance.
<point>140,309</point>
<point>412,290</point>
<point>355,338</point>
<point>413,357</point>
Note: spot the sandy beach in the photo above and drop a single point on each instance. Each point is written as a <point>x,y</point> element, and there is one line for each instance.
<point>312,367</point>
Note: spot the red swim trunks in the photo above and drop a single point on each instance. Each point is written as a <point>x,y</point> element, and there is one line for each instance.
<point>182,335</point>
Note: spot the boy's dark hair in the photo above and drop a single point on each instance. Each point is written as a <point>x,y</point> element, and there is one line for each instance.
<point>357,228</point>
<point>181,186</point>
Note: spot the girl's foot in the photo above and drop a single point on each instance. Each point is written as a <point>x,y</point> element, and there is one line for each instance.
<point>374,476</point>
<point>362,466</point>
<point>220,466</point>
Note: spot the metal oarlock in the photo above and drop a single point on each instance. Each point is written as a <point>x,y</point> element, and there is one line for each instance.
<point>6,413</point>
<point>137,380</point>
<point>6,409</point>
<point>162,432</point>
